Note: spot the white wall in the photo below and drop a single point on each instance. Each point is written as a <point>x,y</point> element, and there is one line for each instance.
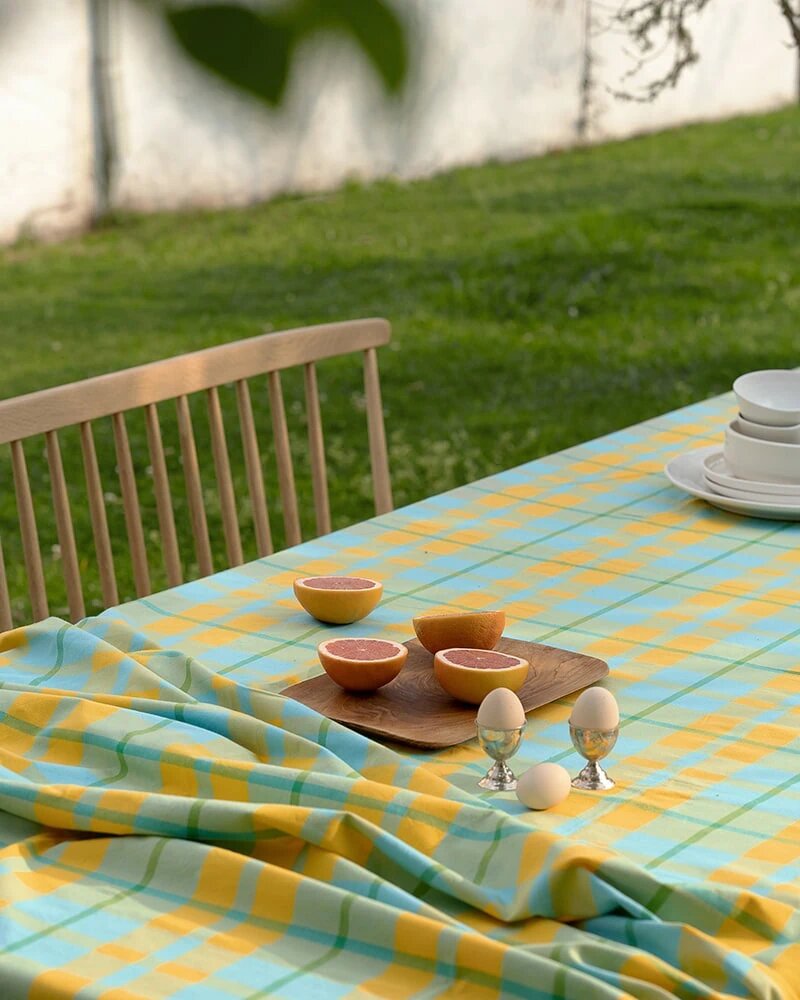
<point>492,81</point>
<point>46,164</point>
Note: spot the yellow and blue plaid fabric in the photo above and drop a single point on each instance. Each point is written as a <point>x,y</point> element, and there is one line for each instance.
<point>171,827</point>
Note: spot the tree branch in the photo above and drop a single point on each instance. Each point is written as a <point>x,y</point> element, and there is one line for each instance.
<point>658,26</point>
<point>792,19</point>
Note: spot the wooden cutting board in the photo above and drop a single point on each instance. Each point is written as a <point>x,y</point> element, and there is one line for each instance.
<point>415,709</point>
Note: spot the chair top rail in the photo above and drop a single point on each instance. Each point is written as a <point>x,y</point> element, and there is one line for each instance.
<point>103,395</point>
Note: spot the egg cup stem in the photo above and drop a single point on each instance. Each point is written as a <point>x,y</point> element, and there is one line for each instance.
<point>593,778</point>
<point>499,778</point>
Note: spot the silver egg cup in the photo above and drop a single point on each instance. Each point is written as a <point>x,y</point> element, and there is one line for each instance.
<point>500,745</point>
<point>594,745</point>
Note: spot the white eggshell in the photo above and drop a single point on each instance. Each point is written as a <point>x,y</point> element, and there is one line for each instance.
<point>595,708</point>
<point>543,786</point>
<point>501,709</point>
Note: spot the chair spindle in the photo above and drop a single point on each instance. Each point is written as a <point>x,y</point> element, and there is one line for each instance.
<point>377,436</point>
<point>130,505</point>
<point>64,528</point>
<point>255,472</point>
<point>30,536</point>
<point>166,516</point>
<point>316,446</point>
<point>194,487</point>
<point>222,468</point>
<point>5,601</point>
<point>283,458</point>
<point>97,512</point>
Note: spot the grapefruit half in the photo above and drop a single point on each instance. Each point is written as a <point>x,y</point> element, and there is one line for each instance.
<point>468,629</point>
<point>362,664</point>
<point>470,674</point>
<point>338,600</point>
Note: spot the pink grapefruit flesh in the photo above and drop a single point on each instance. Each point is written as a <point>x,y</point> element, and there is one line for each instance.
<point>481,659</point>
<point>339,583</point>
<point>338,600</point>
<point>362,664</point>
<point>470,674</point>
<point>361,649</point>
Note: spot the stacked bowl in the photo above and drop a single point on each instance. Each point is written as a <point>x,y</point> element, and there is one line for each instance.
<point>760,462</point>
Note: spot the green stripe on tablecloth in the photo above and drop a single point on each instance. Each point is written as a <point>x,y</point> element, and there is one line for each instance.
<point>150,870</point>
<point>531,559</point>
<point>742,661</point>
<point>119,749</point>
<point>231,911</point>
<point>661,583</point>
<point>483,867</point>
<point>59,660</point>
<point>721,823</point>
<point>332,952</point>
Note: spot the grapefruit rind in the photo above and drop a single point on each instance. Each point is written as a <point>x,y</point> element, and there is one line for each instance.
<point>472,684</point>
<point>338,606</point>
<point>362,674</point>
<point>463,629</point>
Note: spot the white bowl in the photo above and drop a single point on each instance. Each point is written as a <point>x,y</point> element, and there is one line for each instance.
<point>764,432</point>
<point>765,461</point>
<point>769,397</point>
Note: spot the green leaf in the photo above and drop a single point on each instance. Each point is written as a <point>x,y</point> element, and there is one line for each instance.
<point>248,49</point>
<point>253,49</point>
<point>374,26</point>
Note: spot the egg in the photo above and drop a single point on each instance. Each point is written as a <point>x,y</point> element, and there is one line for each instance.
<point>543,786</point>
<point>595,708</point>
<point>501,709</point>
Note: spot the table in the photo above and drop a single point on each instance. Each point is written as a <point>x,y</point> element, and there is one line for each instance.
<point>202,837</point>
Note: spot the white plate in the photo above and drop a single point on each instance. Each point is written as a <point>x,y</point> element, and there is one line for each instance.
<point>733,494</point>
<point>718,471</point>
<point>687,473</point>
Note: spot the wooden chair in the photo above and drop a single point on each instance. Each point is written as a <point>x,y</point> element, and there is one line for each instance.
<point>79,403</point>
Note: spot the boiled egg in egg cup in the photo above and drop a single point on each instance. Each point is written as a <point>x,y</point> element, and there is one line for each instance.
<point>500,725</point>
<point>594,728</point>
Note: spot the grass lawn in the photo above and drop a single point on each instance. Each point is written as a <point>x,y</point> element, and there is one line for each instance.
<point>534,305</point>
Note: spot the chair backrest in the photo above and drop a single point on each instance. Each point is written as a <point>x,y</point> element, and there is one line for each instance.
<point>112,396</point>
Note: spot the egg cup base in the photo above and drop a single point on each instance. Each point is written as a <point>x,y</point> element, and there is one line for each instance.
<point>499,778</point>
<point>593,778</point>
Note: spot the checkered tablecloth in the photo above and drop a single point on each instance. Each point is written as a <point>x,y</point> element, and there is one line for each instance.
<point>173,828</point>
